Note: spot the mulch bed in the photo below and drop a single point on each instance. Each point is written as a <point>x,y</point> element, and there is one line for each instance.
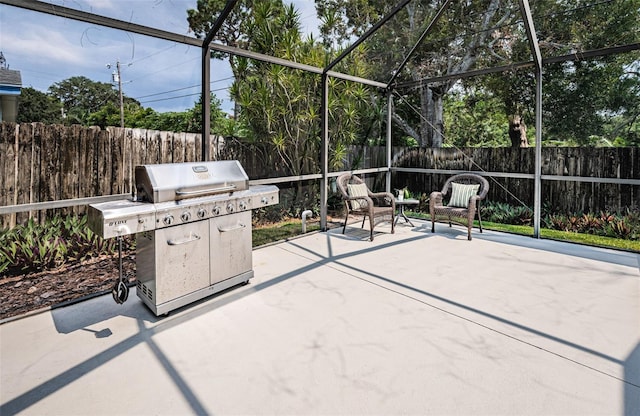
<point>33,291</point>
<point>21,294</point>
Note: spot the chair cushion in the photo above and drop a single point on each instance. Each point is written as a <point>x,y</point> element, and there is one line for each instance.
<point>359,189</point>
<point>461,193</point>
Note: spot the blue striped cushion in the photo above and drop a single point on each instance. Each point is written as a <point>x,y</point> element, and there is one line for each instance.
<point>461,193</point>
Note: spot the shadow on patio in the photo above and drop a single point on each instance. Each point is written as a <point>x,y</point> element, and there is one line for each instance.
<point>413,323</point>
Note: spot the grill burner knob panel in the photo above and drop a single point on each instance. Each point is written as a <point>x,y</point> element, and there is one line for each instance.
<point>186,216</point>
<point>202,213</point>
<point>168,219</point>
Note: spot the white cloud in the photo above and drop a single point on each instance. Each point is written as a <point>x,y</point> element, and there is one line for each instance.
<point>48,49</point>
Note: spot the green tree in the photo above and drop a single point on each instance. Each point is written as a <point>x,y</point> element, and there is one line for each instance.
<point>459,42</point>
<point>80,97</point>
<point>37,106</point>
<point>487,33</point>
<point>279,104</point>
<point>580,98</point>
<point>587,101</point>
<point>476,119</point>
<point>189,120</point>
<point>217,117</point>
<point>282,105</point>
<point>234,31</point>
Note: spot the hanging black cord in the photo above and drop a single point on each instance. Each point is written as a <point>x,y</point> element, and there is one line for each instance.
<point>120,290</point>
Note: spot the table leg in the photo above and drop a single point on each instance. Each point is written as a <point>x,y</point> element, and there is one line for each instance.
<point>401,213</point>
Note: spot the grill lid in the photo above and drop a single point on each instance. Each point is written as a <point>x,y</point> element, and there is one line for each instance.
<point>174,181</point>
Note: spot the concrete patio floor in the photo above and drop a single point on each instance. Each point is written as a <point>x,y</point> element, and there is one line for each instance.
<point>412,323</point>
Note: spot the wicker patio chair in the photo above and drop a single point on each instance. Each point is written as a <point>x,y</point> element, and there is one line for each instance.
<point>463,201</point>
<point>359,200</point>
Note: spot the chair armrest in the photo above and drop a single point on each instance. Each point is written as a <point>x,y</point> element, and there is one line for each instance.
<point>388,197</point>
<point>355,198</point>
<point>474,202</point>
<point>435,199</point>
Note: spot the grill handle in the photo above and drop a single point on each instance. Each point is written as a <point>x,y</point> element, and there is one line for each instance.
<point>238,226</point>
<point>189,239</point>
<point>206,191</point>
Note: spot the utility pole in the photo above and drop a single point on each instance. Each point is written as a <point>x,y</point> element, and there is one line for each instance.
<point>117,78</point>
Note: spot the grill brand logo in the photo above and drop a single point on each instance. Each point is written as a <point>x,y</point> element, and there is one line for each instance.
<point>114,223</point>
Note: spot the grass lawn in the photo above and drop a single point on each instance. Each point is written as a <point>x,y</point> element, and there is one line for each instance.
<point>580,238</point>
<point>271,233</point>
<point>291,228</point>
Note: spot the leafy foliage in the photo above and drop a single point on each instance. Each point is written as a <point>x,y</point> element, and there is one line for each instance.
<point>60,240</point>
<point>91,103</point>
<point>624,226</point>
<point>281,106</point>
<point>81,96</point>
<point>507,214</point>
<point>475,120</point>
<point>37,106</point>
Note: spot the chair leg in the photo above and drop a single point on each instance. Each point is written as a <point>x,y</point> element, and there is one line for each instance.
<point>345,221</point>
<point>363,220</point>
<point>479,220</point>
<point>371,226</point>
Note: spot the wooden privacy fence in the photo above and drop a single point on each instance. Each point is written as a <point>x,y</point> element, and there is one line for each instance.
<point>557,195</point>
<point>53,162</point>
<point>40,163</point>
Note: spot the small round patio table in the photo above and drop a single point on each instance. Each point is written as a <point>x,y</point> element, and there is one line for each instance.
<point>400,204</point>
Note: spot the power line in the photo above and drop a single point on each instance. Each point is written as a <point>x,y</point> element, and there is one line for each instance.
<point>153,54</point>
<point>169,98</point>
<point>179,96</point>
<point>181,89</point>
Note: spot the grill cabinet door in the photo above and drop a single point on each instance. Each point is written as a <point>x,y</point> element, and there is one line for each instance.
<point>230,245</point>
<point>174,261</point>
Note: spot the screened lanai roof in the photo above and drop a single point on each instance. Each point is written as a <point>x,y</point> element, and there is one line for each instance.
<point>436,37</point>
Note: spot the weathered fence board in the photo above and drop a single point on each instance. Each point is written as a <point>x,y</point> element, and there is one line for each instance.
<point>103,163</point>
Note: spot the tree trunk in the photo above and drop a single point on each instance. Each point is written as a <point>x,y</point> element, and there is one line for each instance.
<point>438,120</point>
<point>517,131</point>
<point>432,122</point>
<point>426,133</point>
<point>431,101</point>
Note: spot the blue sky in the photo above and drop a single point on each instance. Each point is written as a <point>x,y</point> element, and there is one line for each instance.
<point>162,75</point>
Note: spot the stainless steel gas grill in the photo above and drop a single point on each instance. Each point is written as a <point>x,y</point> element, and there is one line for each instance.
<point>193,230</point>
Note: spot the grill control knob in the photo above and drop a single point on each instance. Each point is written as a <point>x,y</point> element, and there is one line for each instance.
<point>230,208</point>
<point>168,219</point>
<point>242,205</point>
<point>202,213</point>
<point>186,216</point>
<point>216,210</point>
<point>264,200</point>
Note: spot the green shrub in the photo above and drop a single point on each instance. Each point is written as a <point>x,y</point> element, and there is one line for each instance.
<point>34,247</point>
<point>624,226</point>
<point>507,214</point>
